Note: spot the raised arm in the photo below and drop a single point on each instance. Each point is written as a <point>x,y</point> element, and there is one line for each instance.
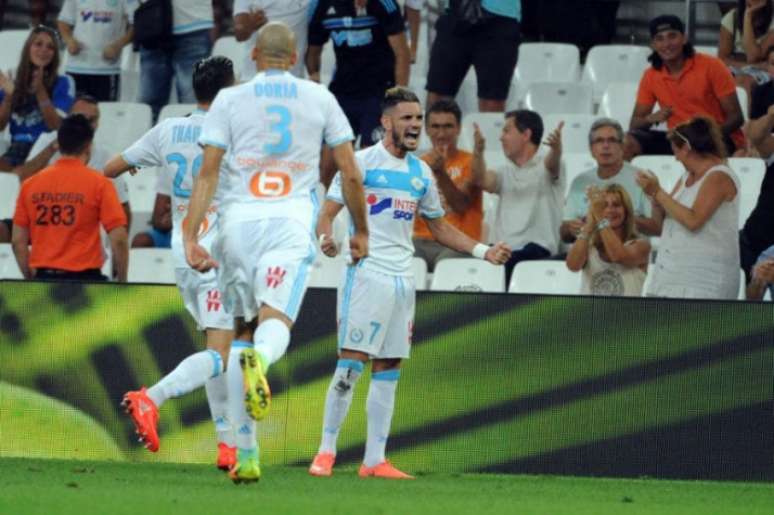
<point>483,178</point>
<point>554,158</point>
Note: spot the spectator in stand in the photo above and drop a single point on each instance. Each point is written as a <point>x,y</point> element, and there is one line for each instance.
<point>251,15</point>
<point>530,187</point>
<point>489,43</point>
<point>372,55</point>
<point>191,40</point>
<point>684,84</point>
<point>45,152</point>
<point>95,32</point>
<point>745,34</point>
<point>37,99</point>
<point>59,212</point>
<point>758,232</point>
<point>762,276</point>
<point>608,252</point>
<point>606,145</point>
<point>459,190</point>
<point>160,233</point>
<point>699,219</point>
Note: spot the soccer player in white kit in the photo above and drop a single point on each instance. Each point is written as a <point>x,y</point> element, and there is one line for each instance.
<point>173,146</point>
<point>262,143</point>
<point>398,186</point>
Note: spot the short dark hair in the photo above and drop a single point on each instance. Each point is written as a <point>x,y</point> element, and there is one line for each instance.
<point>702,134</point>
<point>85,97</point>
<point>446,106</point>
<point>210,75</point>
<point>397,95</point>
<point>525,119</point>
<point>74,135</point>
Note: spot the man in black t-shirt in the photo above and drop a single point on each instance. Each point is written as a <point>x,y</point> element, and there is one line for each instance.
<point>758,232</point>
<point>372,55</point>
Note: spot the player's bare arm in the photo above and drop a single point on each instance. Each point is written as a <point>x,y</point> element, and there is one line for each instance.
<point>201,197</point>
<point>119,246</point>
<point>449,236</point>
<point>20,242</point>
<point>325,227</point>
<point>354,198</point>
<point>116,166</point>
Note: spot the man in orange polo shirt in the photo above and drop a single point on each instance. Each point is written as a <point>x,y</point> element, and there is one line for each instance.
<point>59,212</point>
<point>685,84</point>
<point>460,197</point>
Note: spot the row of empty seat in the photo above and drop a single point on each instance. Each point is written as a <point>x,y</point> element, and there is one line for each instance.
<point>474,275</point>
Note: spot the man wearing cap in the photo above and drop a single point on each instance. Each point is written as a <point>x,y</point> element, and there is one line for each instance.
<point>684,84</point>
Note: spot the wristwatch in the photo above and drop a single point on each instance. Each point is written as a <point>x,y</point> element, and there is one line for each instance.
<point>603,224</point>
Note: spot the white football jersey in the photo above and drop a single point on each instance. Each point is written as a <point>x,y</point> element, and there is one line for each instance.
<point>172,145</point>
<point>273,127</point>
<point>396,190</point>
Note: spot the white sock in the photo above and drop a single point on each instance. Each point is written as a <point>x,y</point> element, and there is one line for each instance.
<point>379,407</point>
<point>338,401</point>
<point>244,426</point>
<point>217,398</point>
<point>271,340</point>
<point>189,375</point>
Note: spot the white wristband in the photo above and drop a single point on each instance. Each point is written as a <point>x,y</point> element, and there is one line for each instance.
<point>479,251</point>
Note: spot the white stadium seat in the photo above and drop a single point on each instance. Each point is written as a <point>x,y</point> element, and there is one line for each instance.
<point>544,277</point>
<point>618,102</point>
<point>9,269</point>
<point>707,49</point>
<point>543,62</point>
<point>228,46</point>
<point>151,266</point>
<point>667,168</point>
<point>559,97</point>
<point>419,267</point>
<point>750,172</point>
<point>327,272</point>
<point>467,274</point>
<point>176,110</point>
<point>9,190</point>
<point>142,197</point>
<point>575,134</point>
<point>609,63</point>
<point>12,43</point>
<point>741,94</point>
<point>121,124</point>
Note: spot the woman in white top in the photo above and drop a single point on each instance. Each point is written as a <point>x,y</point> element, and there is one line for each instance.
<point>611,256</point>
<point>745,34</point>
<point>699,252</point>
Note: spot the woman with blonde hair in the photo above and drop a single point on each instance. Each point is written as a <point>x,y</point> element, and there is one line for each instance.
<point>608,250</point>
<point>37,99</point>
<point>699,252</point>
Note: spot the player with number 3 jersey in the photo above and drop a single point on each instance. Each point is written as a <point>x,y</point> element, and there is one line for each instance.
<point>172,146</point>
<point>262,142</point>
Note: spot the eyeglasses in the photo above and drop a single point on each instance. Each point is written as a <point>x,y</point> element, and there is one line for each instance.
<point>612,141</point>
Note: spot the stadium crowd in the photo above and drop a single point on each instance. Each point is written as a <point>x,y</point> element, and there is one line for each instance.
<point>627,230</point>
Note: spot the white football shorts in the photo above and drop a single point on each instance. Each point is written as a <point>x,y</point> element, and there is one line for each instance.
<point>375,313</point>
<point>203,299</point>
<point>264,262</point>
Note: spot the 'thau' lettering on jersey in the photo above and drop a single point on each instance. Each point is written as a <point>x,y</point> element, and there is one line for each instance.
<point>272,127</point>
<point>172,145</point>
<point>396,189</point>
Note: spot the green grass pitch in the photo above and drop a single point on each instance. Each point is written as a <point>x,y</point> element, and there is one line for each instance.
<point>33,486</point>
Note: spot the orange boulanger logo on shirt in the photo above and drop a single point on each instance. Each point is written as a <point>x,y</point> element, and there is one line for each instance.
<point>270,184</point>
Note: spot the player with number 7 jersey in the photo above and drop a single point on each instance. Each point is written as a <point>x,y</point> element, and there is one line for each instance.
<point>172,147</point>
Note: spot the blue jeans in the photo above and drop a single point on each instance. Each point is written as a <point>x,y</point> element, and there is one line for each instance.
<point>157,66</point>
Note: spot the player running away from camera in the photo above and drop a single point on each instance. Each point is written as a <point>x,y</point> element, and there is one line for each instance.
<point>375,308</point>
<point>261,144</point>
<point>173,147</point>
